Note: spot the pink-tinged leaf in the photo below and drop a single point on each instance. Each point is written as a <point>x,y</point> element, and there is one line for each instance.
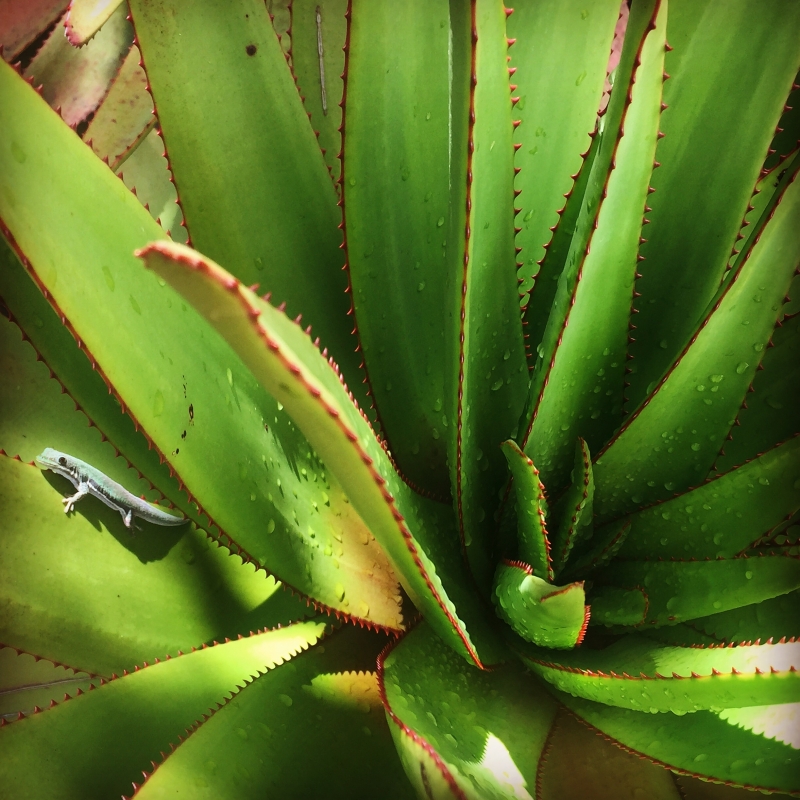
<point>74,80</point>
<point>125,117</point>
<point>21,21</point>
<point>86,17</point>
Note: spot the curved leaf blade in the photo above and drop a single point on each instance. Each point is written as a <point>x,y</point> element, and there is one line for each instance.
<point>723,517</point>
<point>643,675</point>
<point>687,417</point>
<point>720,120</point>
<point>126,723</point>
<point>684,590</point>
<point>222,86</point>
<point>251,746</point>
<point>484,731</point>
<point>532,538</point>
<point>559,62</point>
<point>577,386</point>
<point>288,364</point>
<point>742,755</point>
<point>402,259</point>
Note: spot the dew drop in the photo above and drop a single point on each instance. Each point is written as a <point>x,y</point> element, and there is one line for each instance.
<point>741,367</point>
<point>271,526</point>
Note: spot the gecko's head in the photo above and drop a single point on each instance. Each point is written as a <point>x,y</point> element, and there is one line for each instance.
<point>52,459</point>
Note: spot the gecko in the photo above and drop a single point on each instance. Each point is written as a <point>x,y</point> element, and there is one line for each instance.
<point>90,481</point>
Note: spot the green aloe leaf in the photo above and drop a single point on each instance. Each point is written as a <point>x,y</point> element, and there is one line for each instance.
<point>574,510</point>
<point>641,674</point>
<point>741,747</point>
<point>125,116</point>
<point>684,590</point>
<point>126,723</point>
<point>403,259</point>
<point>286,362</point>
<point>465,733</point>
<point>221,86</point>
<point>716,104</point>
<point>146,173</point>
<point>250,747</point>
<point>112,600</point>
<point>321,87</point>
<point>576,388</point>
<point>86,17</point>
<point>241,459</point>
<point>28,681</point>
<point>488,374</point>
<point>77,80</point>
<point>532,539</point>
<point>777,618</point>
<point>723,517</point>
<point>550,616</point>
<point>559,65</point>
<point>769,414</point>
<point>599,550</point>
<point>689,414</point>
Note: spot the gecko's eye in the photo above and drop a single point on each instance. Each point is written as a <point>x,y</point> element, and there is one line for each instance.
<point>62,461</point>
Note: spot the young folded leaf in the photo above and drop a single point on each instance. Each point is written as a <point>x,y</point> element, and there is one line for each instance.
<point>550,616</point>
<point>533,542</point>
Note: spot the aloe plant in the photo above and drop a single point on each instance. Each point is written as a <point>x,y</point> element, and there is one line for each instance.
<point>469,353</point>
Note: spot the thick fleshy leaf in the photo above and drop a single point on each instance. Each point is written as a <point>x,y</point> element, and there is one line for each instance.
<point>532,539</point>
<point>21,23</point>
<point>684,590</point>
<point>124,724</point>
<point>687,417</point>
<point>75,80</point>
<point>720,119</point>
<point>574,510</point>
<point>537,314</point>
<point>320,25</point>
<point>483,733</point>
<point>488,376</point>
<point>254,189</point>
<point>576,389</point>
<point>641,674</point>
<point>415,533</point>
<point>770,414</point>
<point>549,616</point>
<point>733,746</point>
<point>126,115</point>
<point>722,518</point>
<point>599,549</point>
<point>321,710</point>
<point>240,457</point>
<point>777,619</point>
<point>112,600</point>
<point>402,256</point>
<point>578,762</point>
<point>85,18</point>
<point>559,62</point>
<point>28,681</point>
<point>146,173</point>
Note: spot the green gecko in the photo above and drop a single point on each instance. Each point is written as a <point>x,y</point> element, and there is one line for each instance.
<point>88,480</point>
